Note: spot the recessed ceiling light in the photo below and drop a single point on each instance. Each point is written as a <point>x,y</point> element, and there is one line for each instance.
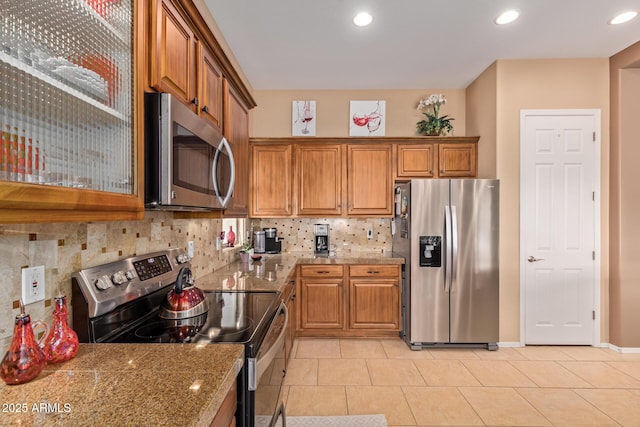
<point>362,19</point>
<point>623,17</point>
<point>507,17</point>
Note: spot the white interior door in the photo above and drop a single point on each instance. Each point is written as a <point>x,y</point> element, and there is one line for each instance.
<point>559,220</point>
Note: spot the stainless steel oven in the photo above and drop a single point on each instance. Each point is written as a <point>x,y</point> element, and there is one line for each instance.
<point>189,165</point>
<point>121,301</point>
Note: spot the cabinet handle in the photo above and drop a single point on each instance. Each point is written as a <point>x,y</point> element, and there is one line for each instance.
<point>373,272</point>
<point>323,272</point>
<point>194,101</point>
<point>205,109</point>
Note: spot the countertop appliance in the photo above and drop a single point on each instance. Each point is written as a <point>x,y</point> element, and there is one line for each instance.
<point>272,243</point>
<point>447,232</point>
<point>321,239</point>
<point>258,242</point>
<point>122,301</point>
<point>189,165</point>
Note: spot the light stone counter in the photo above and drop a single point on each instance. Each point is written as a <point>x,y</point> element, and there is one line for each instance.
<point>273,270</point>
<point>127,384</point>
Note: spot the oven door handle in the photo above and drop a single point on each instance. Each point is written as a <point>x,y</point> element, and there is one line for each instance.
<point>258,366</point>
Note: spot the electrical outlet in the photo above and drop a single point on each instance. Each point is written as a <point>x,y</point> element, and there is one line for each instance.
<point>190,248</point>
<point>32,284</point>
<point>370,233</point>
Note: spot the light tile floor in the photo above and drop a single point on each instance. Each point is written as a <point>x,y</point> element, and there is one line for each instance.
<point>530,386</point>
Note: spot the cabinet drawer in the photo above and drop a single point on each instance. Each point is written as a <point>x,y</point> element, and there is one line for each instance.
<point>374,270</point>
<point>321,270</point>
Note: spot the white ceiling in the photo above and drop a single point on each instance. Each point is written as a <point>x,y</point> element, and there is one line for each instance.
<point>313,44</point>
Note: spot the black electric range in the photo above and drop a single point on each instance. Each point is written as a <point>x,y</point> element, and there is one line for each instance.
<point>119,302</point>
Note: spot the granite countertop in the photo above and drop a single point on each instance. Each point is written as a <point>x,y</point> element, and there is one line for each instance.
<point>272,272</point>
<point>127,384</point>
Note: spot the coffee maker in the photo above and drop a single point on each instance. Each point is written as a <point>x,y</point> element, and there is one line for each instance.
<point>321,239</point>
<point>272,244</point>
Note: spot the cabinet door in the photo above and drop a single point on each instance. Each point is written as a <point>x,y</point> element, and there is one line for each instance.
<point>321,303</point>
<point>210,89</point>
<point>173,50</point>
<point>236,130</point>
<point>271,180</point>
<point>369,179</point>
<point>457,160</point>
<point>290,334</point>
<point>374,304</point>
<point>319,175</point>
<point>415,161</point>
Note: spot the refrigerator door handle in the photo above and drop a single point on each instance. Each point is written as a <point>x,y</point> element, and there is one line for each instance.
<point>454,249</point>
<point>448,261</point>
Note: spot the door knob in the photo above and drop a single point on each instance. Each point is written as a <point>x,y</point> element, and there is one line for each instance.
<point>534,259</point>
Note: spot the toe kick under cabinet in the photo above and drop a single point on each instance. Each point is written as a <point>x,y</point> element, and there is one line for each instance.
<point>348,300</point>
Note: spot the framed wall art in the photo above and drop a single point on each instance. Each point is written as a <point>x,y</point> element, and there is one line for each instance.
<point>303,118</point>
<point>366,118</point>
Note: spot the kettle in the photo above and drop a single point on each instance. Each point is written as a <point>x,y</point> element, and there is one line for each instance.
<point>185,299</point>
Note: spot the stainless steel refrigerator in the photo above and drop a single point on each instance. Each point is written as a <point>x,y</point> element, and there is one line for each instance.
<point>447,231</point>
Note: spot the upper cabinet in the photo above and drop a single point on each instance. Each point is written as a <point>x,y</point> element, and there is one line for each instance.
<point>210,93</point>
<point>319,172</point>
<point>369,179</point>
<point>173,57</point>
<point>236,130</point>
<point>271,180</point>
<point>68,115</point>
<point>436,157</point>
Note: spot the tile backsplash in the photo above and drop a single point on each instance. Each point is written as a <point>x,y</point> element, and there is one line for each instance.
<point>64,248</point>
<point>347,234</point>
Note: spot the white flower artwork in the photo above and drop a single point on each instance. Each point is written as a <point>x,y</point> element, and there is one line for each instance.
<point>366,118</point>
<point>303,118</point>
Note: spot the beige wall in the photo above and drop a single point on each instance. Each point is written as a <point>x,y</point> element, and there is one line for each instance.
<point>272,116</point>
<point>481,111</point>
<point>625,197</point>
<point>537,84</point>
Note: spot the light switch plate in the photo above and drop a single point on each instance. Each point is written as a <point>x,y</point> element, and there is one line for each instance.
<point>32,284</point>
<point>190,249</point>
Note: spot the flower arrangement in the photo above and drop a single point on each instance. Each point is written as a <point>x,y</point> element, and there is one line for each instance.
<point>434,125</point>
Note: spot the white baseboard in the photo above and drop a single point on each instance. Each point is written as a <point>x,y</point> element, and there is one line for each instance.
<point>512,344</point>
<point>624,350</point>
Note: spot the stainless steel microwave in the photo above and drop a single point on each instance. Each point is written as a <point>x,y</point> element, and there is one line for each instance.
<point>189,165</point>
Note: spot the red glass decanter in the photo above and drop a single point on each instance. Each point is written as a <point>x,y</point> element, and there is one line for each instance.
<point>231,237</point>
<point>24,360</point>
<point>62,342</point>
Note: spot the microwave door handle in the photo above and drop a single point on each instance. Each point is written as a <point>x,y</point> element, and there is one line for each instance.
<point>214,167</point>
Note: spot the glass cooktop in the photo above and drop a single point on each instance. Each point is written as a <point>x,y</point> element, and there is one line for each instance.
<point>232,317</point>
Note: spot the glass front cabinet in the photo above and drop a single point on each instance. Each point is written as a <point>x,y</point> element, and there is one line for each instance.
<point>69,117</point>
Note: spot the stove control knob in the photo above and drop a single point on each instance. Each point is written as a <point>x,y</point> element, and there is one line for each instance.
<point>119,278</point>
<point>104,282</point>
<point>130,274</point>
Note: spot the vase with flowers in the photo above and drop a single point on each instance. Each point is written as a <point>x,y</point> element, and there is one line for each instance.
<point>434,124</point>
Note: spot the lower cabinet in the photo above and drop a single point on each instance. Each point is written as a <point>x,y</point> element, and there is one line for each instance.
<point>321,297</point>
<point>289,298</point>
<point>368,306</point>
<point>374,297</point>
<point>226,414</point>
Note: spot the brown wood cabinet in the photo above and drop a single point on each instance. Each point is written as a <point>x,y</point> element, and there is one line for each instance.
<point>226,414</point>
<point>457,160</point>
<point>374,297</point>
<point>436,157</point>
<point>369,180</point>
<point>173,53</point>
<point>271,184</point>
<point>236,130</point>
<point>319,172</point>
<point>416,161</point>
<point>368,306</point>
<point>210,90</point>
<point>321,299</point>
